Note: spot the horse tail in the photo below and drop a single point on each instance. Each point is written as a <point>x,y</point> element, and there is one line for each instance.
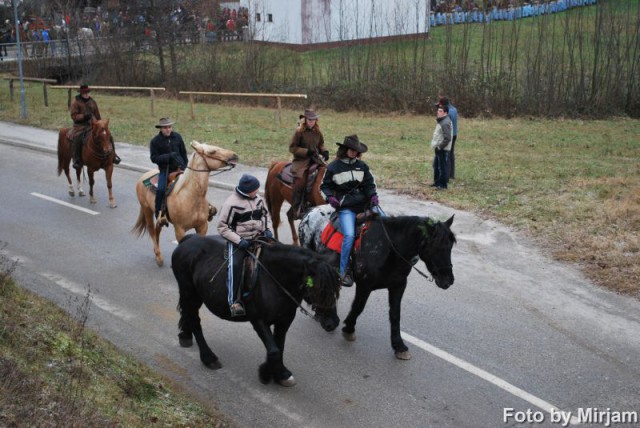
<point>267,185</point>
<point>62,149</point>
<point>141,224</point>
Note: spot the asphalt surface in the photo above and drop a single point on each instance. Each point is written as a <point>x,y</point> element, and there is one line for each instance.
<point>516,331</point>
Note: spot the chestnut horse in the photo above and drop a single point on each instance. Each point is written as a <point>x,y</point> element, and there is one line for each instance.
<point>97,154</point>
<point>276,192</point>
<point>187,204</point>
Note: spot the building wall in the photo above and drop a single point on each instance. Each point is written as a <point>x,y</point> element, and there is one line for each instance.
<point>302,22</point>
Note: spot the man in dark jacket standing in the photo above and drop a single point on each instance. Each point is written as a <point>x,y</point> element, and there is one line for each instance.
<point>83,111</point>
<point>170,154</point>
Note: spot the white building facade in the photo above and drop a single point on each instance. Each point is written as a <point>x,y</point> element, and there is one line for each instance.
<point>307,22</point>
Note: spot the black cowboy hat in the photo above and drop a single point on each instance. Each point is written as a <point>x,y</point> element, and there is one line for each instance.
<point>352,142</point>
<point>84,89</point>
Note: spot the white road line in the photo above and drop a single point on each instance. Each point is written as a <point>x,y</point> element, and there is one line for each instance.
<point>66,204</point>
<point>500,383</point>
<point>82,291</point>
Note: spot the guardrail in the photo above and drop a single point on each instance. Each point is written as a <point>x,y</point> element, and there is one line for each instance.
<point>278,98</point>
<point>115,88</point>
<point>32,79</point>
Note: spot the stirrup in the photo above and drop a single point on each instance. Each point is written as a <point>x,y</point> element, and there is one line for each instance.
<point>116,159</point>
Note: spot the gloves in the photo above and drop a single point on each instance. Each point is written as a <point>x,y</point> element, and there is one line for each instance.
<point>374,200</point>
<point>243,244</point>
<point>334,202</point>
<point>267,234</point>
<point>325,155</point>
<point>310,153</point>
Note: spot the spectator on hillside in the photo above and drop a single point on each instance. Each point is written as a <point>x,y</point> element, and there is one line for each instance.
<point>441,143</point>
<point>453,115</point>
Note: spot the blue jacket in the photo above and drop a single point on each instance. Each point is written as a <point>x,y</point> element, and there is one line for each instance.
<point>168,151</point>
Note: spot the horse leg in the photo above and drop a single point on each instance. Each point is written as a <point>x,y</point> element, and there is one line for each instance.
<point>291,218</point>
<point>107,174</point>
<point>359,302</point>
<point>275,216</point>
<point>282,375</point>
<point>189,304</point>
<point>395,301</point>
<point>272,368</point>
<point>79,182</point>
<point>155,237</point>
<point>69,182</point>
<point>92,199</point>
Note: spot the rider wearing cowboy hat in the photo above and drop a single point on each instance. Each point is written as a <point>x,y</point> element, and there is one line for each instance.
<point>349,187</point>
<point>170,154</point>
<point>83,111</point>
<point>306,145</point>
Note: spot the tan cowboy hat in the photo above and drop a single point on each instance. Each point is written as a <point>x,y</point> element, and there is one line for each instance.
<point>352,142</point>
<point>165,121</point>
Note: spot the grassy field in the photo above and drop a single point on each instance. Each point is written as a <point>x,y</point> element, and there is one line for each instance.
<point>571,185</point>
<point>55,372</point>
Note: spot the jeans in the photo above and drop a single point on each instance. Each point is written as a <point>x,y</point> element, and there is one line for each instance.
<point>348,224</point>
<point>162,187</point>
<point>441,168</point>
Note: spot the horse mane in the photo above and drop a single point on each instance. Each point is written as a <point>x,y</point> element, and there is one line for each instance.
<point>406,228</point>
<point>290,259</point>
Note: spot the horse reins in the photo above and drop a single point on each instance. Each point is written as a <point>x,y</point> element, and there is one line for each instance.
<point>395,250</point>
<point>218,171</point>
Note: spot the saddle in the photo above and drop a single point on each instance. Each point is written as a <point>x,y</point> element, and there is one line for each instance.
<point>332,236</point>
<point>248,268</point>
<point>286,177</point>
<point>152,182</point>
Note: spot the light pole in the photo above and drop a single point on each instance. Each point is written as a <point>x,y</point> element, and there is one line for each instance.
<point>23,104</point>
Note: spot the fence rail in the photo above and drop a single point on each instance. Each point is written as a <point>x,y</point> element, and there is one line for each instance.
<point>44,82</point>
<point>278,98</point>
<point>151,90</point>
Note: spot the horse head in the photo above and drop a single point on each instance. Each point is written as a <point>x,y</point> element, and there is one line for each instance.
<point>322,282</point>
<point>101,137</point>
<point>215,157</point>
<point>435,250</point>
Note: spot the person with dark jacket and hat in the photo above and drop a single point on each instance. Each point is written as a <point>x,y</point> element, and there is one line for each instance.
<point>170,154</point>
<point>307,146</point>
<point>441,143</point>
<point>453,116</point>
<point>83,111</point>
<point>349,187</point>
<point>243,217</point>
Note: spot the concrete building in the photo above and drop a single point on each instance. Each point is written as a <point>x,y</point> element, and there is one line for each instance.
<point>311,22</point>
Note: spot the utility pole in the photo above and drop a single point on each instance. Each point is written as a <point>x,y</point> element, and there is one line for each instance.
<point>23,104</point>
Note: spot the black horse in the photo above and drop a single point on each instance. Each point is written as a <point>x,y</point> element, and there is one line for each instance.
<point>284,276</point>
<point>389,249</point>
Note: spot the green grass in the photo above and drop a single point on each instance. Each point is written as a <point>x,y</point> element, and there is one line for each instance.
<point>55,372</point>
<point>571,184</point>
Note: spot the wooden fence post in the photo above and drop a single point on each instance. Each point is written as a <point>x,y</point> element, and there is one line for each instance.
<point>193,113</point>
<point>11,88</point>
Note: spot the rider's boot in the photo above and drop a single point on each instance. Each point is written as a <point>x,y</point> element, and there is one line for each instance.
<point>297,198</point>
<point>116,158</point>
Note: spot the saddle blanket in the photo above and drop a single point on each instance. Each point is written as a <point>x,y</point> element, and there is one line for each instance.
<point>286,177</point>
<point>332,238</point>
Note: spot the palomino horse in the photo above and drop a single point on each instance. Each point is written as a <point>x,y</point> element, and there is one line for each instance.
<point>97,154</point>
<point>283,276</point>
<point>187,204</point>
<point>276,192</point>
<point>389,248</point>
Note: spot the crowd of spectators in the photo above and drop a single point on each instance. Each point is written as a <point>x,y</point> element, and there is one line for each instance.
<point>448,12</point>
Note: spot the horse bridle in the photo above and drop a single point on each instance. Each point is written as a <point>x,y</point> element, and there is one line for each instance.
<point>413,266</point>
<point>100,155</point>
<point>225,168</point>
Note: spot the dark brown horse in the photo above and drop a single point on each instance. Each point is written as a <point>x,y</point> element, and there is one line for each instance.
<point>97,154</point>
<point>276,192</point>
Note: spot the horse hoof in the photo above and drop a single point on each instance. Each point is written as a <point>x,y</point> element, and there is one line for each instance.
<point>159,261</point>
<point>349,337</point>
<point>186,343</point>
<point>405,355</point>
<point>264,374</point>
<point>291,381</point>
<point>81,193</point>
<point>113,206</point>
<point>92,201</point>
<point>72,193</point>
<point>214,365</point>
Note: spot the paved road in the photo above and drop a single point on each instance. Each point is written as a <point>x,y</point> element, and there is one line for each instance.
<point>516,331</point>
